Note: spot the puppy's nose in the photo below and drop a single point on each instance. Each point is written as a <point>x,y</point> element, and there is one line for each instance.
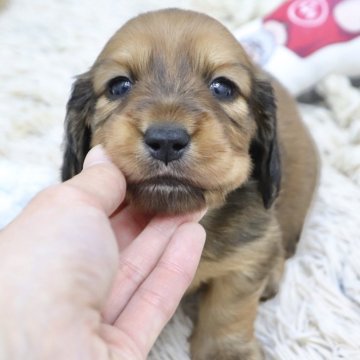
<point>166,142</point>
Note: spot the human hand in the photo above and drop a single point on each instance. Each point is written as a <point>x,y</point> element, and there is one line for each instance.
<point>81,281</point>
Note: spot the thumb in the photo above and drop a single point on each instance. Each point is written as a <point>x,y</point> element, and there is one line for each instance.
<point>101,181</point>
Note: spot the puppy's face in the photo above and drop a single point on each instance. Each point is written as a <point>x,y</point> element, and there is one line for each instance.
<point>177,105</point>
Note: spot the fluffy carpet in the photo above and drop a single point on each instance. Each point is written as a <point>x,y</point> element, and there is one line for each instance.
<point>44,44</point>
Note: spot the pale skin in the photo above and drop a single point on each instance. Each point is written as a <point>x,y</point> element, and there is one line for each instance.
<point>83,276</point>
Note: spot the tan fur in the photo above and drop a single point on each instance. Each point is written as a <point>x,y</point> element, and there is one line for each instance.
<point>238,150</point>
<point>252,255</point>
<point>3,3</point>
<point>300,169</point>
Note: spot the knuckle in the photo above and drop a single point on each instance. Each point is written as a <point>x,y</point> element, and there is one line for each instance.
<point>131,271</point>
<point>59,193</point>
<point>157,300</point>
<point>178,272</point>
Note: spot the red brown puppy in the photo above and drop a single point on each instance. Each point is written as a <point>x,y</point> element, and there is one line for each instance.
<point>191,122</point>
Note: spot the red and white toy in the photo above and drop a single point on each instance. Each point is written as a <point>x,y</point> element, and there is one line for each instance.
<point>303,40</point>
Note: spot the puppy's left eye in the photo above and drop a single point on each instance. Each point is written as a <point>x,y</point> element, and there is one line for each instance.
<point>119,86</point>
<point>223,89</point>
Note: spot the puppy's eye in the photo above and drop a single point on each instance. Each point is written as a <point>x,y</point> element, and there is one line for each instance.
<point>223,89</point>
<point>119,86</point>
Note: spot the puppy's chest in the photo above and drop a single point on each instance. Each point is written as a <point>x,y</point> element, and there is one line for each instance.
<point>239,222</point>
<point>242,238</point>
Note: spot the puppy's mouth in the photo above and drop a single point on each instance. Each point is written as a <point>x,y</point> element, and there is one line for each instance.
<point>166,194</point>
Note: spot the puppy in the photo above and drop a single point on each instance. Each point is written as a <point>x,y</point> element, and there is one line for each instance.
<point>192,123</point>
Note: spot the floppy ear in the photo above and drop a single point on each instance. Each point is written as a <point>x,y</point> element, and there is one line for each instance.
<point>80,108</point>
<point>264,149</point>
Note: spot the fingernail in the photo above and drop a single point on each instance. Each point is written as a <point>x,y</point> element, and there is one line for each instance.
<point>96,155</point>
<point>200,214</point>
<point>203,212</point>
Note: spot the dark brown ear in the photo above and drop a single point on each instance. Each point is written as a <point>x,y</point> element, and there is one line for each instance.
<point>80,108</point>
<point>264,149</point>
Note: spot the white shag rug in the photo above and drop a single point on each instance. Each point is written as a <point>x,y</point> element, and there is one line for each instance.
<point>44,44</point>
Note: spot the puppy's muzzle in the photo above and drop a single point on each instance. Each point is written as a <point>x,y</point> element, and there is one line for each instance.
<point>166,142</point>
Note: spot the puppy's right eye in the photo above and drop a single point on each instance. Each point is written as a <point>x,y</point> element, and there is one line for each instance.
<point>119,86</point>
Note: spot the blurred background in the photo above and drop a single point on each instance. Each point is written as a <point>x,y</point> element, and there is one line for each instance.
<point>44,44</point>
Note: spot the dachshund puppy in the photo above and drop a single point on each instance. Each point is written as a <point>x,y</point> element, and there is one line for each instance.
<point>192,123</point>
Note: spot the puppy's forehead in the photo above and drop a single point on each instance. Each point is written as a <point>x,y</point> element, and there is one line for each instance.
<point>174,37</point>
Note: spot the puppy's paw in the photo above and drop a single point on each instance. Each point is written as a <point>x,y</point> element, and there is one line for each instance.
<point>273,282</point>
<point>270,291</point>
<point>216,350</point>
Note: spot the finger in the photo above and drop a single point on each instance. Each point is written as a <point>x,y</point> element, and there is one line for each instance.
<point>156,300</point>
<point>101,183</point>
<point>140,258</point>
<point>127,224</point>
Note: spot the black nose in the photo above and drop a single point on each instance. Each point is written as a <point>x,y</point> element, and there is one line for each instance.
<point>166,142</point>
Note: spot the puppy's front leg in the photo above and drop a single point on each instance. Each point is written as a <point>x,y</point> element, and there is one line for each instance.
<point>225,326</point>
